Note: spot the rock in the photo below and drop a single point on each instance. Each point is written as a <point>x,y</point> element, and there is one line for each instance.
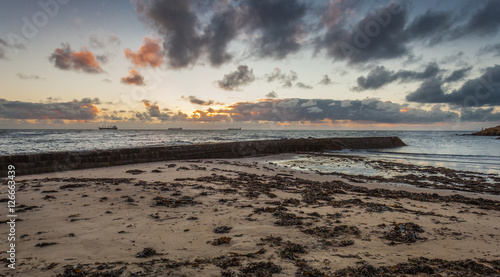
<point>493,131</point>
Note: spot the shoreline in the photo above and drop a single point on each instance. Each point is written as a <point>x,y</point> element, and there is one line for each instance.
<point>222,217</point>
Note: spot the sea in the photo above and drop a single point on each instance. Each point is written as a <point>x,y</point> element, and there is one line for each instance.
<point>449,149</point>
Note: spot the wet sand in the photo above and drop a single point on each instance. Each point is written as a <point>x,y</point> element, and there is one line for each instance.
<point>246,217</point>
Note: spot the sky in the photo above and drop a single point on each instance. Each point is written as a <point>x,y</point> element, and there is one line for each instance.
<point>255,64</point>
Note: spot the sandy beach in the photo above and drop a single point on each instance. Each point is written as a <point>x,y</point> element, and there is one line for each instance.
<point>246,217</point>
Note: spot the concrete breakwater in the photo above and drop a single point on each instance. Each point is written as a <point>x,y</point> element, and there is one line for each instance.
<point>60,161</point>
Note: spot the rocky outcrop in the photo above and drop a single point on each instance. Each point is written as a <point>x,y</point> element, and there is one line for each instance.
<point>493,131</point>
<point>61,161</point>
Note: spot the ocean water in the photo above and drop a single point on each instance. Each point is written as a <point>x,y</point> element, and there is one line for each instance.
<point>435,148</point>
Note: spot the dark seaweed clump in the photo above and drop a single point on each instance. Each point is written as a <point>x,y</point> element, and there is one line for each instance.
<point>222,229</point>
<point>404,233</point>
<point>174,203</point>
<point>331,232</point>
<point>261,269</point>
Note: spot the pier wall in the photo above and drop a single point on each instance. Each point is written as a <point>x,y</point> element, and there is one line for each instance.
<point>62,161</point>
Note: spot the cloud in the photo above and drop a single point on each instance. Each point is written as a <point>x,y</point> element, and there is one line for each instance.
<point>134,78</point>
<point>303,86</point>
<point>369,110</point>
<point>481,91</point>
<point>103,42</point>
<point>272,95</point>
<point>378,35</point>
<point>325,81</point>
<point>195,100</point>
<point>458,74</point>
<point>190,32</point>
<point>75,110</point>
<point>152,111</point>
<point>430,25</point>
<point>222,29</point>
<point>64,58</point>
<point>241,77</point>
<point>177,22</point>
<point>149,54</point>
<point>280,25</point>
<point>490,49</point>
<point>485,21</point>
<point>380,76</point>
<point>283,78</point>
<point>28,77</point>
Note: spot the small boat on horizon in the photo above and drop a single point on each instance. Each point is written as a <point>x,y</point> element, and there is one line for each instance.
<point>108,127</point>
<point>175,128</point>
<point>234,129</point>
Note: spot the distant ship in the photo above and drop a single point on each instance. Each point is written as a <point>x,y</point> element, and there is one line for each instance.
<point>108,127</point>
<point>234,129</point>
<point>177,128</point>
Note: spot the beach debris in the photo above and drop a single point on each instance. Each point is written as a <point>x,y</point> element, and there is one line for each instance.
<point>226,261</point>
<point>192,218</point>
<point>272,240</point>
<point>174,203</point>
<point>404,233</point>
<point>73,186</point>
<point>290,249</point>
<point>45,244</point>
<point>128,199</point>
<point>262,268</point>
<point>146,253</point>
<point>156,171</point>
<point>49,197</point>
<point>287,219</point>
<point>305,270</point>
<point>221,240</point>
<point>72,271</point>
<point>135,171</point>
<point>424,266</point>
<point>222,229</point>
<point>331,232</point>
<point>50,266</point>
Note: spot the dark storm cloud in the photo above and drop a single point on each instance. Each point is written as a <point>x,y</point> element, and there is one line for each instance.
<point>222,29</point>
<point>325,81</point>
<point>458,74</point>
<point>367,110</point>
<point>482,91</point>
<point>380,76</point>
<point>430,24</point>
<point>197,101</point>
<point>234,80</point>
<point>479,114</point>
<point>283,78</point>
<point>486,20</point>
<point>378,35</point>
<point>66,59</point>
<point>280,25</point>
<point>75,110</point>
<point>277,24</point>
<point>490,49</point>
<point>176,21</point>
